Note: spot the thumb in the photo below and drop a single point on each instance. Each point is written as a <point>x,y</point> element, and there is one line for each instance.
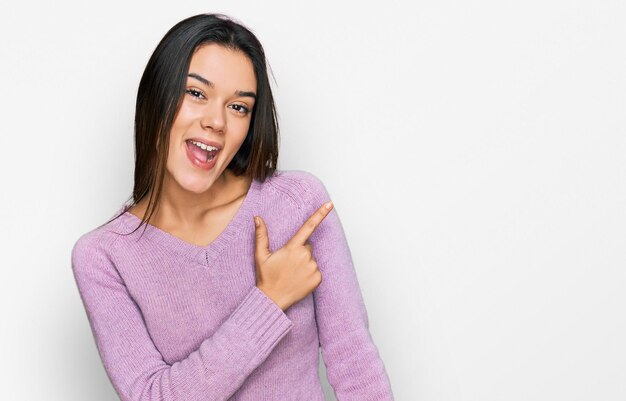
<point>262,242</point>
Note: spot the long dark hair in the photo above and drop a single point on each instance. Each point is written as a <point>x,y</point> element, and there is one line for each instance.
<point>160,95</point>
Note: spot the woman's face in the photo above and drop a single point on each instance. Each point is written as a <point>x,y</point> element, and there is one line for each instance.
<point>216,110</point>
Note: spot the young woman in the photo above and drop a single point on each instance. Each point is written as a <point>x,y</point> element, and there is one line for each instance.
<point>241,271</point>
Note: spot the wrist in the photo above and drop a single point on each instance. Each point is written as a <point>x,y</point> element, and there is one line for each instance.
<point>281,303</point>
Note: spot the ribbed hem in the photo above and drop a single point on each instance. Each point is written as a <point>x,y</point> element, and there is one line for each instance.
<point>262,319</point>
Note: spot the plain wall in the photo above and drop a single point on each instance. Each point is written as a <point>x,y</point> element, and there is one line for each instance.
<point>475,152</point>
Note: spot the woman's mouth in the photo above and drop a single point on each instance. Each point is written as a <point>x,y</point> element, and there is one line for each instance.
<point>202,155</point>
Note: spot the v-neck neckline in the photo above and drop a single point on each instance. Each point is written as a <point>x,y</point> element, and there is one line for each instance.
<point>204,255</point>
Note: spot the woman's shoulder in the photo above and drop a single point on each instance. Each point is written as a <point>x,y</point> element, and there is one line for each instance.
<point>99,241</point>
<point>301,187</point>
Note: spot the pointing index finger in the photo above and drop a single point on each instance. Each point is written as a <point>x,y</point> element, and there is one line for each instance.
<point>309,226</point>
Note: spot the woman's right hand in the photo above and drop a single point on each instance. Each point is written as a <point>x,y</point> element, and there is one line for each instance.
<point>289,274</point>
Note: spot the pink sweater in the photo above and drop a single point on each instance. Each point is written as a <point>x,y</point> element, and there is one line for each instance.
<point>176,321</point>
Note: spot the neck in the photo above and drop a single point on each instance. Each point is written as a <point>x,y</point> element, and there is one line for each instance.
<point>189,209</point>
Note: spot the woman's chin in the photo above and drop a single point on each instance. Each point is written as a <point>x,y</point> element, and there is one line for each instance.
<point>195,186</point>
<point>192,183</point>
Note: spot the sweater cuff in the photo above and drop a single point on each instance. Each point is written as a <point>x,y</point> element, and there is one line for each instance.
<point>262,319</point>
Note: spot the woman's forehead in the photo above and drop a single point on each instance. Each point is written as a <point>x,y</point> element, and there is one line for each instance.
<point>223,67</point>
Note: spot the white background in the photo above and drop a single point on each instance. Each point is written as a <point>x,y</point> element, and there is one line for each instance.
<point>475,151</point>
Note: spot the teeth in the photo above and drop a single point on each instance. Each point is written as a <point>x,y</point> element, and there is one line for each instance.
<point>203,146</point>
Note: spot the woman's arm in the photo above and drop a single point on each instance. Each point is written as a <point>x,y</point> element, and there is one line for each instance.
<point>134,365</point>
<point>353,365</point>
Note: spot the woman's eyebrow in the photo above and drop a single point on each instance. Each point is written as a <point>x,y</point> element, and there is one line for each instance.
<point>211,85</point>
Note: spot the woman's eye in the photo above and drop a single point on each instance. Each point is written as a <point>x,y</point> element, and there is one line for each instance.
<point>195,93</point>
<point>241,109</point>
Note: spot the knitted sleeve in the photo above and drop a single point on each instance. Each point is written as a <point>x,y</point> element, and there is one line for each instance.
<point>134,365</point>
<point>353,365</point>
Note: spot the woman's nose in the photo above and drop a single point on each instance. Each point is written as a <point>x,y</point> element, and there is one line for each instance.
<point>213,117</point>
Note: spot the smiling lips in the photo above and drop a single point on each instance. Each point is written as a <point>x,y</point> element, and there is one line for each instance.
<point>202,154</point>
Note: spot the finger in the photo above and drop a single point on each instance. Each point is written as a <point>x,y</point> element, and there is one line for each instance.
<point>309,247</point>
<point>303,234</point>
<point>262,242</point>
